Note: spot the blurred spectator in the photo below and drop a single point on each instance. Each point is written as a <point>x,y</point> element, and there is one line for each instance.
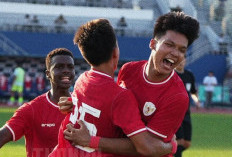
<point>90,3</point>
<point>3,82</point>
<point>35,24</point>
<point>222,44</point>
<point>27,85</point>
<point>28,82</point>
<point>3,85</point>
<point>27,23</point>
<point>40,83</point>
<point>121,25</point>
<point>210,81</point>
<point>220,10</point>
<point>119,3</point>
<point>31,24</point>
<point>17,84</point>
<point>35,20</point>
<point>59,23</point>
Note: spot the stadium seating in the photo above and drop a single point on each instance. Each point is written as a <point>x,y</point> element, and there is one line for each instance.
<point>89,3</point>
<point>13,17</point>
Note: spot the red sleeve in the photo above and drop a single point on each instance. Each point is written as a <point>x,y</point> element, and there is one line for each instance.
<point>126,114</point>
<point>20,122</point>
<point>169,117</point>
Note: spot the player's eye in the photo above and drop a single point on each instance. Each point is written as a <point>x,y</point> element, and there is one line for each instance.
<point>168,44</point>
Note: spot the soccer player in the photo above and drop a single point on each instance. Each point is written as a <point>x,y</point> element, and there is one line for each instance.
<point>17,85</point>
<point>184,133</point>
<point>163,100</point>
<point>107,109</point>
<point>40,119</point>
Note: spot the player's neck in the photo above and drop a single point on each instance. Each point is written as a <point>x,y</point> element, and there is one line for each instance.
<point>105,68</point>
<point>54,95</point>
<point>154,75</point>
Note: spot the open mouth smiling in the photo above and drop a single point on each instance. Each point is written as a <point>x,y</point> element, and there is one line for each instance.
<point>65,79</point>
<point>168,62</point>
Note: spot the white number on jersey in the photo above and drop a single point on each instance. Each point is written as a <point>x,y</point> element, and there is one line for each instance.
<point>83,110</point>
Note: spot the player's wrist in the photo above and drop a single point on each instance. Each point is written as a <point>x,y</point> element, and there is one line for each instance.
<point>94,142</point>
<point>69,98</point>
<point>174,147</point>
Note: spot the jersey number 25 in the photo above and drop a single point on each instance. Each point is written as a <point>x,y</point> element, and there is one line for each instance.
<point>83,110</point>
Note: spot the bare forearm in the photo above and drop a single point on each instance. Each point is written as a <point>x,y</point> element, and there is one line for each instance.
<point>126,147</point>
<point>143,143</point>
<point>5,136</point>
<point>155,150</point>
<point>162,149</point>
<point>149,145</point>
<point>121,146</point>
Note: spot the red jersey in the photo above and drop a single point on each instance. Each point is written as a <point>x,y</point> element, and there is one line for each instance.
<point>107,110</point>
<point>28,83</point>
<point>162,104</point>
<point>39,120</point>
<point>3,83</point>
<point>40,82</point>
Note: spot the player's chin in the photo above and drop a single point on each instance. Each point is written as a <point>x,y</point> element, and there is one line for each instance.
<point>166,71</point>
<point>65,85</point>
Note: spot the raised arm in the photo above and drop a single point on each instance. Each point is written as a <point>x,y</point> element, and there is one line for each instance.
<point>142,143</point>
<point>5,136</point>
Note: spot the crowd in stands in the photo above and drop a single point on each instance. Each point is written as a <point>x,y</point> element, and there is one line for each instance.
<point>33,23</point>
<point>63,23</point>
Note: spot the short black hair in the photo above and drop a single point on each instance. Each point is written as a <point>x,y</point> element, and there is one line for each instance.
<point>178,22</point>
<point>55,52</point>
<point>96,40</point>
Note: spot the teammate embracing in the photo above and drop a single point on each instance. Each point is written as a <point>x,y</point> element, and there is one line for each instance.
<point>107,109</point>
<point>163,100</point>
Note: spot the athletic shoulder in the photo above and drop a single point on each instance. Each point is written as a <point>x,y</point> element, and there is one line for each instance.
<point>132,64</point>
<point>38,101</point>
<point>130,68</point>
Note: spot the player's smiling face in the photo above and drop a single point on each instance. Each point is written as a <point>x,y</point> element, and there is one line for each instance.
<point>61,71</point>
<point>168,52</point>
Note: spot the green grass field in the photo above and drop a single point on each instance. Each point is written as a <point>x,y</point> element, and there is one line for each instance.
<point>212,136</point>
<point>11,149</point>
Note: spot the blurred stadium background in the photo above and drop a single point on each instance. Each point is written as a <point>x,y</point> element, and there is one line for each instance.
<point>29,29</point>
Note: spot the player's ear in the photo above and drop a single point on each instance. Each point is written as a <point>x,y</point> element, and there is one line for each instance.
<point>115,53</point>
<point>152,44</point>
<point>115,57</point>
<point>48,75</point>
